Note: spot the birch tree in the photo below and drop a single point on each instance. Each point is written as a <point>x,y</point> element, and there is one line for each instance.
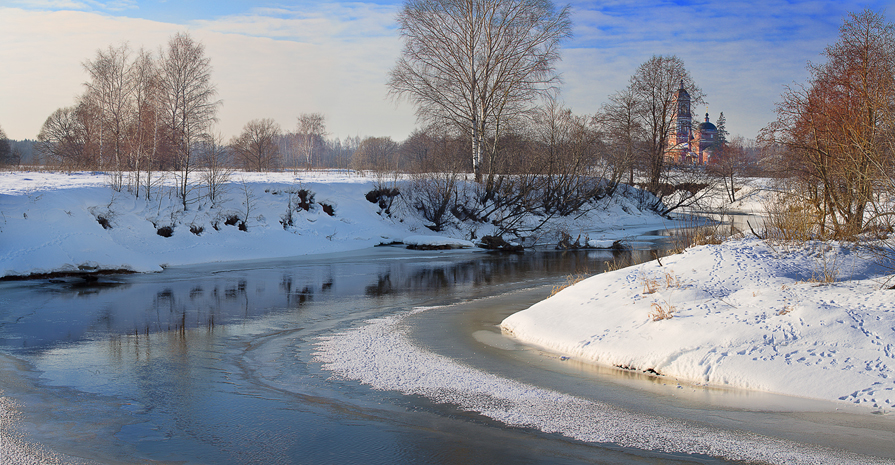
<point>475,64</point>
<point>188,102</point>
<point>111,89</point>
<point>309,136</point>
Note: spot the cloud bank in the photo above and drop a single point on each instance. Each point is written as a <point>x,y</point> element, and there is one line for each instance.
<point>278,61</point>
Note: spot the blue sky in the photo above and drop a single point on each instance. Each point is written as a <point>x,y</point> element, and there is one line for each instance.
<point>277,59</point>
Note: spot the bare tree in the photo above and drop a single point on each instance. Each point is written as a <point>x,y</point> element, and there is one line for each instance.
<point>837,129</point>
<point>653,88</point>
<point>310,135</point>
<point>566,166</point>
<point>63,139</point>
<point>622,131</point>
<point>376,153</point>
<point>110,88</point>
<point>145,130</point>
<point>256,147</point>
<point>729,164</point>
<point>216,172</point>
<point>187,102</point>
<point>475,64</point>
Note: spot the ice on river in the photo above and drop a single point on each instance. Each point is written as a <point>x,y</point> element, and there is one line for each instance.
<point>380,354</point>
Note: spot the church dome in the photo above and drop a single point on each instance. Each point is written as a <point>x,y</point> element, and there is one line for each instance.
<point>707,126</point>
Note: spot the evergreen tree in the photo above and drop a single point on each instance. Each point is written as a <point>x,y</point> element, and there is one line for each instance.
<point>5,149</point>
<point>722,130</point>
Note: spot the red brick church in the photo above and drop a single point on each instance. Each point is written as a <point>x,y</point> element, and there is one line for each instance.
<point>685,147</point>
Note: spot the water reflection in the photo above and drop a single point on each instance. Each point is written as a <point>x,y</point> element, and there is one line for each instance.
<point>215,366</point>
<point>47,314</point>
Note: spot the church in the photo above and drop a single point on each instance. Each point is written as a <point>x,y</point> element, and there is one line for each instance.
<point>685,147</point>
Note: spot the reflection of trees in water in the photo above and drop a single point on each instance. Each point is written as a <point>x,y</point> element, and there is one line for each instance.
<point>297,298</point>
<point>144,306</point>
<point>498,269</point>
<point>382,286</point>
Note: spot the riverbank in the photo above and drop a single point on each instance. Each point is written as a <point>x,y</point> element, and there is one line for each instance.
<point>815,320</point>
<point>73,223</point>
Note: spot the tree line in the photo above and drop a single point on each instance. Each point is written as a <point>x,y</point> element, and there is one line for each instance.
<point>143,112</point>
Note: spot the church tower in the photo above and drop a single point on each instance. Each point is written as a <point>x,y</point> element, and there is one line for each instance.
<point>679,142</point>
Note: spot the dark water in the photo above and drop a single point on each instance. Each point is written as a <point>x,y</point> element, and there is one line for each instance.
<point>215,364</point>
<point>189,365</point>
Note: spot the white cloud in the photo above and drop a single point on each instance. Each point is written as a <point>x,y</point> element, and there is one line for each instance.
<point>334,57</point>
<point>50,4</point>
<point>257,77</point>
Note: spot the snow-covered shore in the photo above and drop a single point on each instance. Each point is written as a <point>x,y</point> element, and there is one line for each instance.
<point>744,314</point>
<point>57,222</point>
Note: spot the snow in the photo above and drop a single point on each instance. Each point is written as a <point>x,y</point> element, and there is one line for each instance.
<point>744,314</point>
<point>51,222</point>
<point>381,355</point>
<point>600,244</point>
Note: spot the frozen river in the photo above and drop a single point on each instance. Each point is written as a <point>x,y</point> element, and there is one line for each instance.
<point>221,364</point>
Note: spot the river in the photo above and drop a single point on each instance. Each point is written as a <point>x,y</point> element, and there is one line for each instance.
<point>216,364</point>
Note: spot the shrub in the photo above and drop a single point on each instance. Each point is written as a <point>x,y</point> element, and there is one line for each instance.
<point>104,222</point>
<point>196,229</point>
<point>384,197</point>
<point>791,220</point>
<point>328,209</point>
<point>165,231</point>
<point>571,280</point>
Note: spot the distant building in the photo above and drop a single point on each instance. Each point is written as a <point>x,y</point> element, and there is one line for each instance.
<point>685,147</point>
<point>708,136</point>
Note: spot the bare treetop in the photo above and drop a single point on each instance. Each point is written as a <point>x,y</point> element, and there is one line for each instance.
<point>474,64</point>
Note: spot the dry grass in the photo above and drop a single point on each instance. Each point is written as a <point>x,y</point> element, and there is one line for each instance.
<point>662,312</point>
<point>614,265</point>
<point>791,219</point>
<point>672,280</point>
<point>571,280</point>
<point>650,285</point>
<point>695,234</point>
<point>828,267</point>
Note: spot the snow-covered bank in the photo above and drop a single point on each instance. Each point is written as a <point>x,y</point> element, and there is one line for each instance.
<point>55,222</point>
<point>743,314</point>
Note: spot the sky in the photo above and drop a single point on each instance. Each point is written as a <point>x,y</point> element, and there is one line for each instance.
<point>279,59</point>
